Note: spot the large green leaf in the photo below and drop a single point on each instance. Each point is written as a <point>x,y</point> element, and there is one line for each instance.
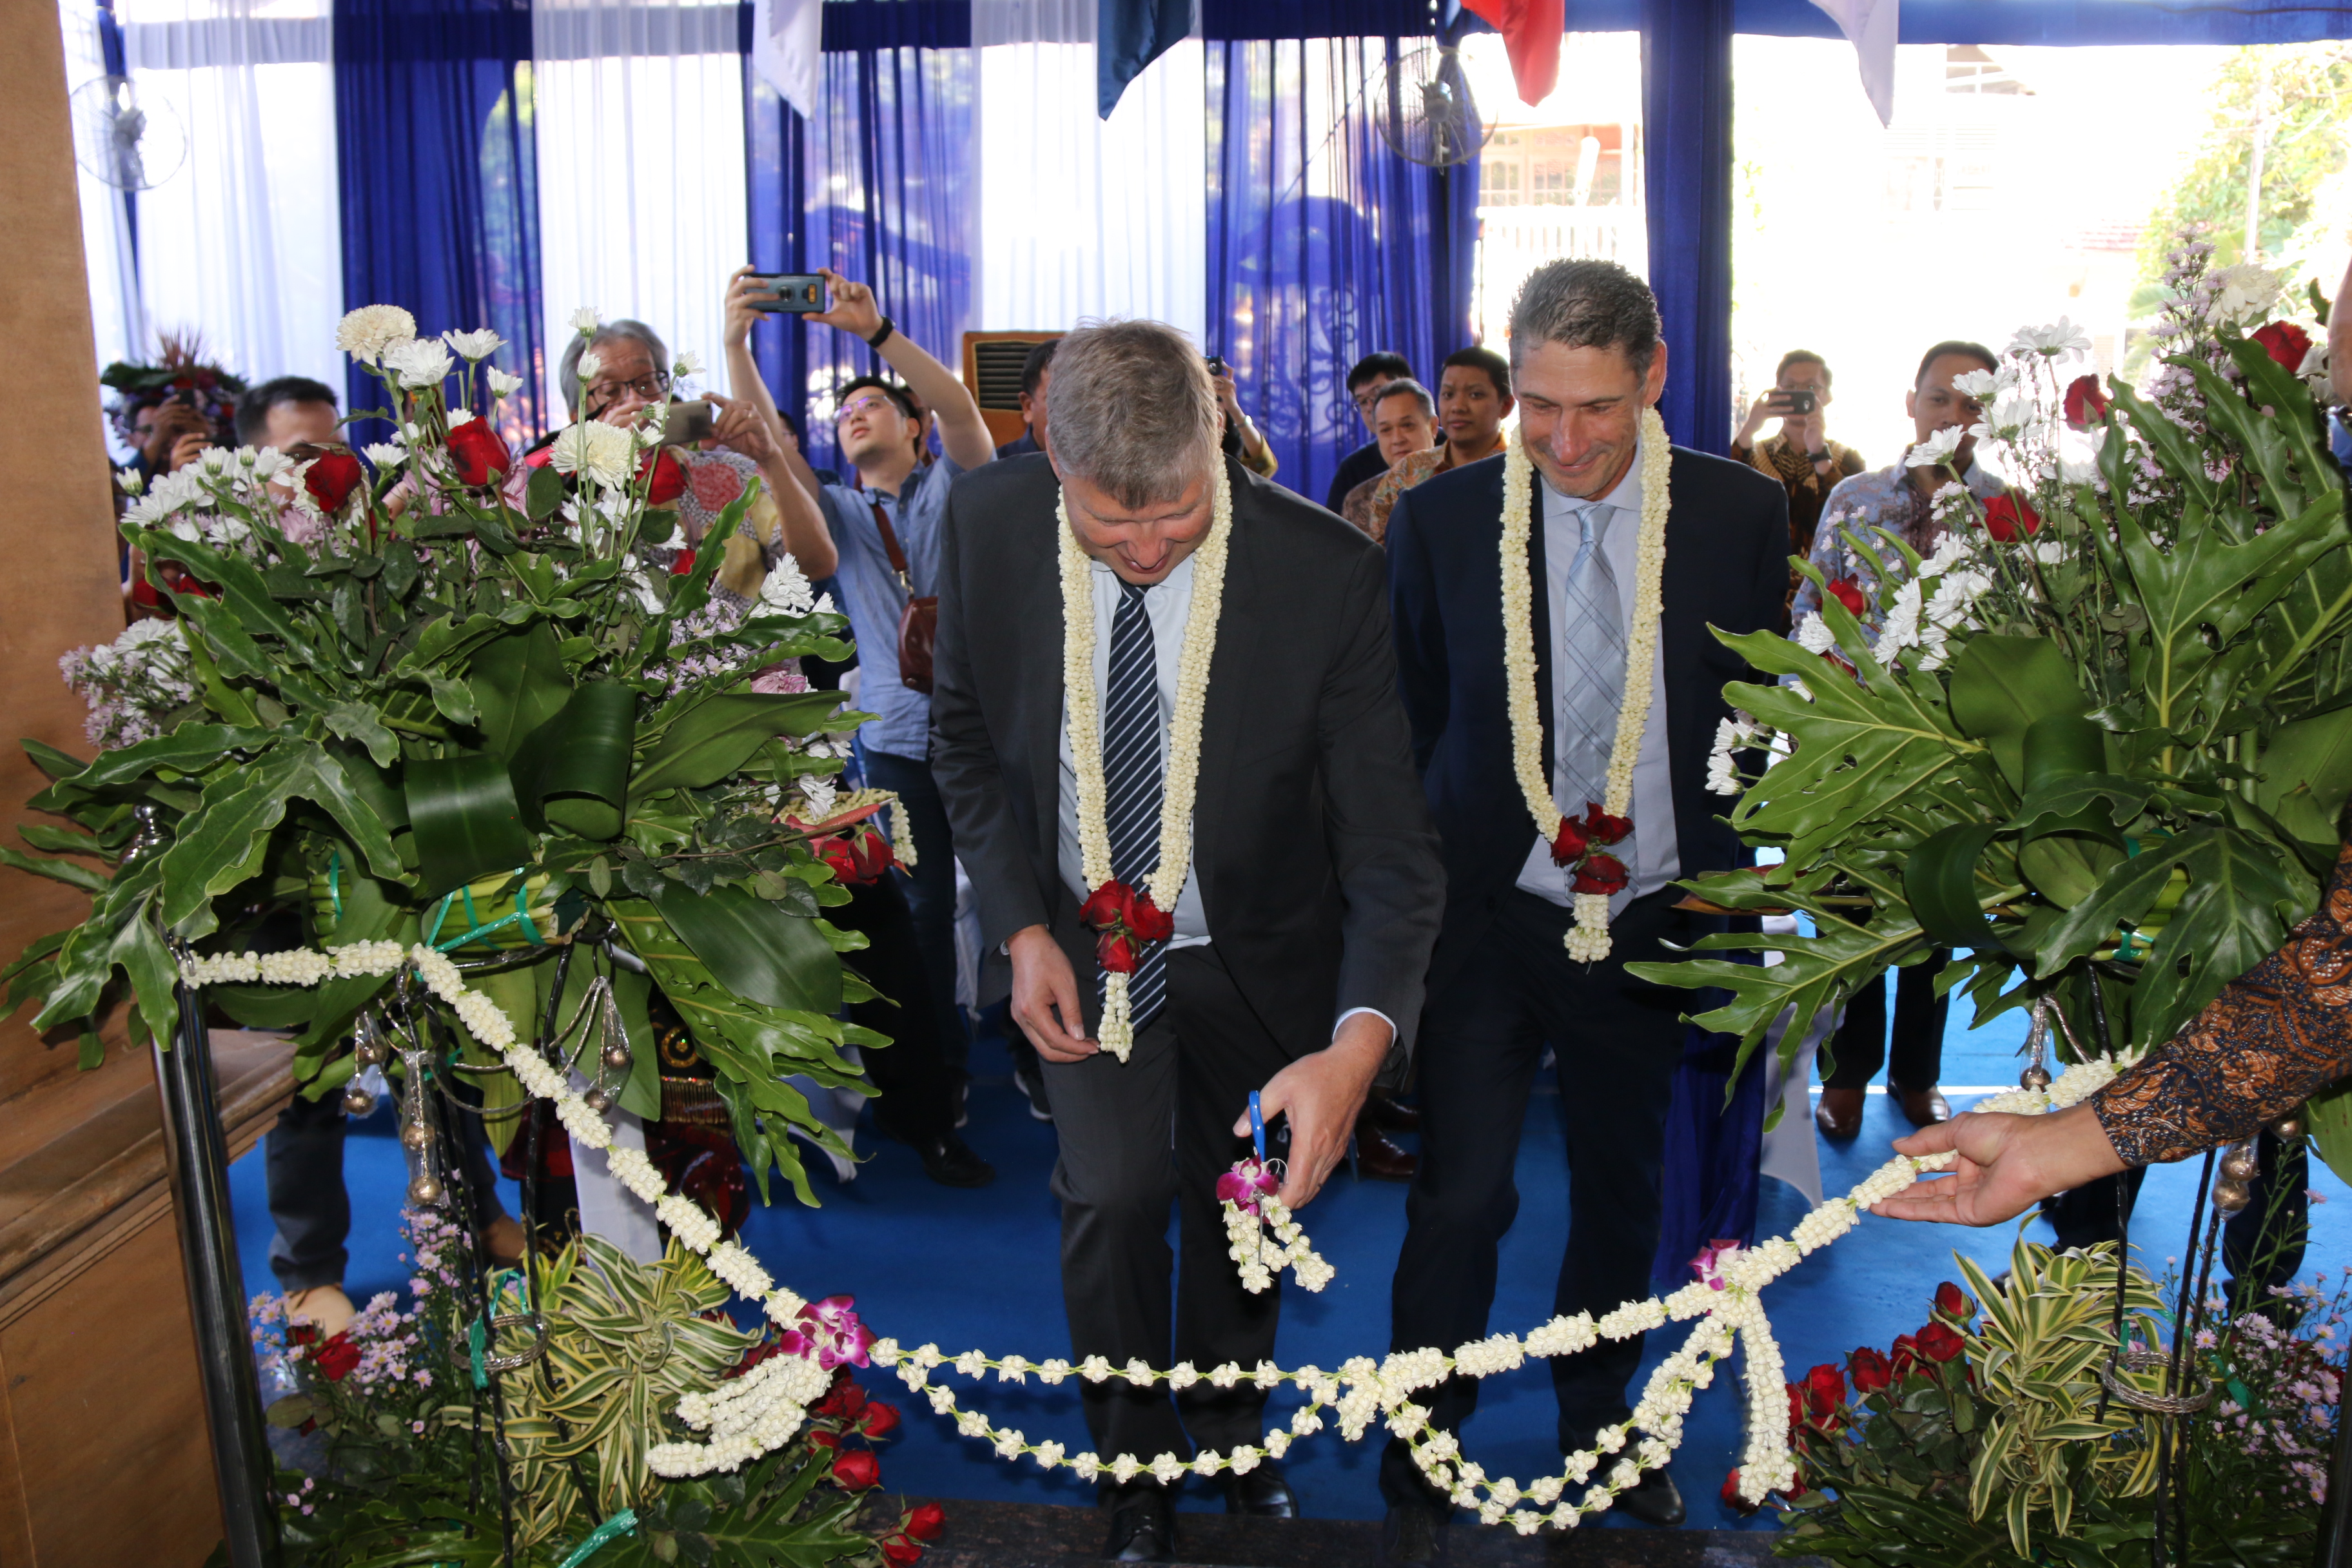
<point>1940,881</point>
<point>190,749</point>
<point>467,821</point>
<point>575,769</point>
<point>2329,1116</point>
<point>519,683</point>
<point>713,738</point>
<point>242,589</point>
<point>2000,685</point>
<point>2313,756</point>
<point>753,947</point>
<point>221,843</point>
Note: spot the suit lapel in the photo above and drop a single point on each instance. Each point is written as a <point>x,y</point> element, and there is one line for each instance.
<point>1539,617</point>
<point>1239,618</point>
<point>1040,632</point>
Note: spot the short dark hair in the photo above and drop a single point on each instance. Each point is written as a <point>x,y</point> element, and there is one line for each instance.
<point>1587,303</point>
<point>1976,352</point>
<point>1497,368</point>
<point>1802,356</point>
<point>1405,386</point>
<point>1381,366</point>
<point>888,388</point>
<point>1033,369</point>
<point>253,408</point>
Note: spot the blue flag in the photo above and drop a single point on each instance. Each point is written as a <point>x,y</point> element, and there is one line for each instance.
<point>1129,36</point>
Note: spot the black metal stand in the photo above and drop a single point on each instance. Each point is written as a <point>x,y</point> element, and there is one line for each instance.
<point>2336,1524</point>
<point>198,1153</point>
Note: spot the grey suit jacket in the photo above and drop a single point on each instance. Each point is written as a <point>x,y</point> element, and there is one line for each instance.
<point>1319,871</point>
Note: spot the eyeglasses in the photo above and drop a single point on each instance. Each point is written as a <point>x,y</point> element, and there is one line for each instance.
<point>605,394</point>
<point>867,406</point>
<point>1370,396</point>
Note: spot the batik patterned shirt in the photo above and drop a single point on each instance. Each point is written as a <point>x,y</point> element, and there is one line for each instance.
<point>1881,499</point>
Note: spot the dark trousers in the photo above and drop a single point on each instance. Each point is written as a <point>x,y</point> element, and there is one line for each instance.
<point>919,1088</point>
<point>303,1161</point>
<point>930,888</point>
<point>1859,1047</point>
<point>1482,1036</point>
<point>1135,1137</point>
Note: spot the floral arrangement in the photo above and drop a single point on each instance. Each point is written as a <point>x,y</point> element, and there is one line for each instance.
<point>770,1405</point>
<point>440,692</point>
<point>395,1417</point>
<point>2098,737</point>
<point>1995,1436</point>
<point>1247,1194</point>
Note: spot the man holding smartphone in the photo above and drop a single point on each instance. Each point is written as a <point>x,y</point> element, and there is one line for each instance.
<point>1799,455</point>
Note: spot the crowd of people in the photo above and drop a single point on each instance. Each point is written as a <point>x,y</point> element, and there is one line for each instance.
<point>1370,932</point>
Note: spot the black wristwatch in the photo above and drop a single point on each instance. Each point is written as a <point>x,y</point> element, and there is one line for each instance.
<point>1819,457</point>
<point>881,334</point>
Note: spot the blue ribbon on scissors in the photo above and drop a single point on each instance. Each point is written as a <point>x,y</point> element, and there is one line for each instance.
<point>1257,1126</point>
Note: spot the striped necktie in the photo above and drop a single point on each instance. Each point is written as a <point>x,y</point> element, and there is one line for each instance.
<point>1591,682</point>
<point>1131,781</point>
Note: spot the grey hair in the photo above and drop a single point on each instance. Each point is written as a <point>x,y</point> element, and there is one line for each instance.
<point>1406,385</point>
<point>1130,409</point>
<point>1586,304</point>
<point>567,374</point>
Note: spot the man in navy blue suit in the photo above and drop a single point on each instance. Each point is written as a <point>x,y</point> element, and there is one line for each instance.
<point>1587,361</point>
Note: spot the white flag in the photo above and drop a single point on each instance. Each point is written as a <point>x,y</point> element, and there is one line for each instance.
<point>1872,27</point>
<point>787,40</point>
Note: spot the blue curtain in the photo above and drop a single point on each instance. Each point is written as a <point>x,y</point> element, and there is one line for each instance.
<point>775,166</point>
<point>1686,137</point>
<point>887,168</point>
<point>1324,245</point>
<point>440,203</point>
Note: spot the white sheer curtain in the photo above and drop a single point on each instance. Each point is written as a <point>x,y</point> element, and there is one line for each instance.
<point>106,252</point>
<point>639,114</point>
<point>1079,216</point>
<point>240,246</point>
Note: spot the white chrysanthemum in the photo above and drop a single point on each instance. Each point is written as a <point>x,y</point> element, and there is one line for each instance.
<point>1937,449</point>
<point>419,362</point>
<point>130,480</point>
<point>689,363</point>
<point>502,384</point>
<point>386,453</point>
<point>592,364</point>
<point>1813,634</point>
<point>478,344</point>
<point>602,454</point>
<point>367,332</point>
<point>2062,339</point>
<point>2244,291</point>
<point>586,319</point>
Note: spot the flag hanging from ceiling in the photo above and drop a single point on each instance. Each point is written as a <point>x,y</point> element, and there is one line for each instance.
<point>1530,30</point>
<point>1131,33</point>
<point>787,44</point>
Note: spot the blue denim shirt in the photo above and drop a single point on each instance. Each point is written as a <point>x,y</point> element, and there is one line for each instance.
<point>872,598</point>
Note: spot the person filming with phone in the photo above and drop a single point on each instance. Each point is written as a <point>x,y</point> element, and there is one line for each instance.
<point>1799,454</point>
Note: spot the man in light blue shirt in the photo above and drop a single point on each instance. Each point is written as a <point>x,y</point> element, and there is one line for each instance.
<point>885,527</point>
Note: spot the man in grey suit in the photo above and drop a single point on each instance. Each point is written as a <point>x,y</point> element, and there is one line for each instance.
<point>1306,912</point>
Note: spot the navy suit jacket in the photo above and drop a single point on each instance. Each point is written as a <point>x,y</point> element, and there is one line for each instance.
<point>1726,566</point>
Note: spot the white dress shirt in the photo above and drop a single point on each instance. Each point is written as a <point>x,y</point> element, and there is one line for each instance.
<point>1657,857</point>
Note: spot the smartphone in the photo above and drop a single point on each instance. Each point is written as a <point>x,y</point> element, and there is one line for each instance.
<point>799,292</point>
<point>1216,365</point>
<point>1802,401</point>
<point>684,424</point>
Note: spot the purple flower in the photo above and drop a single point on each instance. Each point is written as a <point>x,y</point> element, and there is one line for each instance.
<point>1245,1184</point>
<point>829,1333</point>
<point>1709,1263</point>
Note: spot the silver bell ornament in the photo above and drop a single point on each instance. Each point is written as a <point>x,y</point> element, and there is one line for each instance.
<point>616,1057</point>
<point>2036,1076</point>
<point>2241,1165</point>
<point>2291,1126</point>
<point>596,1100</point>
<point>358,1100</point>
<point>426,1191</point>
<point>2229,1196</point>
<point>415,1137</point>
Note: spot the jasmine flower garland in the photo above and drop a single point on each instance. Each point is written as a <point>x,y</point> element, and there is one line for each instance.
<point>1588,938</point>
<point>755,1415</point>
<point>1083,702</point>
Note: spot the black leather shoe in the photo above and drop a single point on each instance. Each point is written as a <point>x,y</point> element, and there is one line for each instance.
<point>1265,1492</point>
<point>1142,1528</point>
<point>1413,1533</point>
<point>950,1161</point>
<point>1379,1159</point>
<point>1653,1499</point>
<point>1389,1116</point>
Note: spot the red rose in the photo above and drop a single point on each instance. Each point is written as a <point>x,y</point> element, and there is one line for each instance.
<point>2008,513</point>
<point>1567,845</point>
<point>857,857</point>
<point>857,1469</point>
<point>899,1552</point>
<point>1847,592</point>
<point>846,1400</point>
<point>1147,921</point>
<point>478,454</point>
<point>1870,1370</point>
<point>332,478</point>
<point>301,1333</point>
<point>669,481</point>
<point>2287,343</point>
<point>1731,1498</point>
<point>1952,1302</point>
<point>2084,404</point>
<point>1824,1392</point>
<point>926,1522</point>
<point>682,563</point>
<point>1603,827</point>
<point>1940,1342</point>
<point>1115,952</point>
<point>337,1357</point>
<point>1796,1407</point>
<point>881,1420</point>
<point>824,1439</point>
<point>1106,907</point>
<point>1600,874</point>
<point>1903,1356</point>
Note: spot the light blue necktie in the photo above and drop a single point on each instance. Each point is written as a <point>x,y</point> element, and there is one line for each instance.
<point>1588,687</point>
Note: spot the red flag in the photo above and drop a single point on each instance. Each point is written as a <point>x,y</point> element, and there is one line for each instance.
<point>1530,30</point>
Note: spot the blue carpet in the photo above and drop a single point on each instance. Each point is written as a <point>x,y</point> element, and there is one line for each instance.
<point>977,1269</point>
